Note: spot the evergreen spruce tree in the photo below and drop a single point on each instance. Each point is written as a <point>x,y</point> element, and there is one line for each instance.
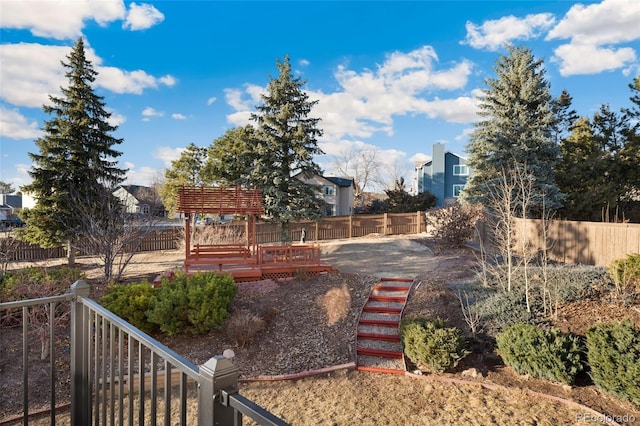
<point>76,158</point>
<point>630,154</point>
<point>581,174</point>
<point>516,131</point>
<point>283,149</point>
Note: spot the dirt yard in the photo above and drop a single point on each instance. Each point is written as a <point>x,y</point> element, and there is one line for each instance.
<point>312,323</point>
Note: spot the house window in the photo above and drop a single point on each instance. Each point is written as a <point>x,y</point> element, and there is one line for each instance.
<point>460,170</point>
<point>329,209</point>
<point>457,189</point>
<point>328,190</point>
<point>146,209</point>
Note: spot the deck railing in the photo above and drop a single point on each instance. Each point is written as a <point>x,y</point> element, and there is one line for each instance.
<point>120,375</point>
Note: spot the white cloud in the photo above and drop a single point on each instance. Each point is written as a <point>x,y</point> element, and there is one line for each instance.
<point>140,176</point>
<point>211,100</point>
<point>237,100</point>
<point>149,112</point>
<point>304,62</point>
<point>167,80</point>
<point>167,155</point>
<point>59,19</point>
<point>116,119</point>
<point>14,125</point>
<point>177,116</point>
<point>239,119</point>
<point>142,16</point>
<point>491,35</point>
<point>589,59</point>
<point>594,31</point>
<point>420,157</point>
<point>31,72</point>
<point>120,81</point>
<point>21,176</point>
<point>367,101</point>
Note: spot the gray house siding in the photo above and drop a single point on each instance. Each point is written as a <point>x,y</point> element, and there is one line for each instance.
<point>443,176</point>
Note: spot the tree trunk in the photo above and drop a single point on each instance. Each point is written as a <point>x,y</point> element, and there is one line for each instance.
<point>71,254</point>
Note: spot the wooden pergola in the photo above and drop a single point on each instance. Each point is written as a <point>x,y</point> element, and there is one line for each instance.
<point>221,201</point>
<point>245,262</point>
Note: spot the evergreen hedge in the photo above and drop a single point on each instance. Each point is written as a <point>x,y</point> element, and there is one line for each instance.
<point>549,355</point>
<point>613,352</point>
<point>432,344</point>
<point>194,304</point>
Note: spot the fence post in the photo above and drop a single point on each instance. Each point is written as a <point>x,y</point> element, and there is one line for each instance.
<point>385,224</point>
<point>216,374</point>
<point>80,391</point>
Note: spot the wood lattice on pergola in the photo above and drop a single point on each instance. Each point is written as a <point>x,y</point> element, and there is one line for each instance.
<point>202,199</point>
<point>220,200</point>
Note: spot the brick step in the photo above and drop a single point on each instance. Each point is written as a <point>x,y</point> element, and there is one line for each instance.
<point>378,323</point>
<point>398,289</point>
<point>392,299</point>
<point>380,353</point>
<point>382,310</point>
<point>398,280</point>
<point>378,336</point>
<point>373,369</point>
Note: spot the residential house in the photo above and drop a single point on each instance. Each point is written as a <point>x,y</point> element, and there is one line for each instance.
<point>337,192</point>
<point>444,175</point>
<point>10,205</point>
<point>139,199</point>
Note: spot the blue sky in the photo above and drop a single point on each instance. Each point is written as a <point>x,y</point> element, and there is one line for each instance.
<point>391,78</point>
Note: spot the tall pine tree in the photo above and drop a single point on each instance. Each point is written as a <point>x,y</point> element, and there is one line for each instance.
<point>76,158</point>
<point>284,146</point>
<point>517,131</point>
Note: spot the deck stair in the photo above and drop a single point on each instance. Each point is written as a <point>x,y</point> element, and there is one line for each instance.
<point>378,346</point>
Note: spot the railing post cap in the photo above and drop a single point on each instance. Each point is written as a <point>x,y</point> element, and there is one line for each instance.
<point>222,370</point>
<point>81,288</point>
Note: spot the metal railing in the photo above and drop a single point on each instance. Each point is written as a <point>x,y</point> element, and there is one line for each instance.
<point>120,375</point>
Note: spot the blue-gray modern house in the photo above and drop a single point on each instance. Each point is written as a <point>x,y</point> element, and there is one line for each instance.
<point>444,175</point>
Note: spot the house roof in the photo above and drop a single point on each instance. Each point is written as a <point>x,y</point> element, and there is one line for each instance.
<point>340,181</point>
<point>419,164</point>
<point>140,193</point>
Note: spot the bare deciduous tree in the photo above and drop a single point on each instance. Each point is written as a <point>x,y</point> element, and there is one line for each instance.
<point>363,165</point>
<point>110,232</point>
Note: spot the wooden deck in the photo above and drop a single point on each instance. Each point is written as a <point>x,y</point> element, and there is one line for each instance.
<point>273,261</point>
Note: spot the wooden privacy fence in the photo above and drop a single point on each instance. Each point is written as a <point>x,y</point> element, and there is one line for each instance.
<point>15,250</point>
<point>340,227</point>
<point>587,243</point>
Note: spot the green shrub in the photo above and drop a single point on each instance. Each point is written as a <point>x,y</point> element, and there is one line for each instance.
<point>543,354</point>
<point>613,353</point>
<point>192,303</point>
<point>431,344</point>
<point>625,274</point>
<point>131,303</point>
